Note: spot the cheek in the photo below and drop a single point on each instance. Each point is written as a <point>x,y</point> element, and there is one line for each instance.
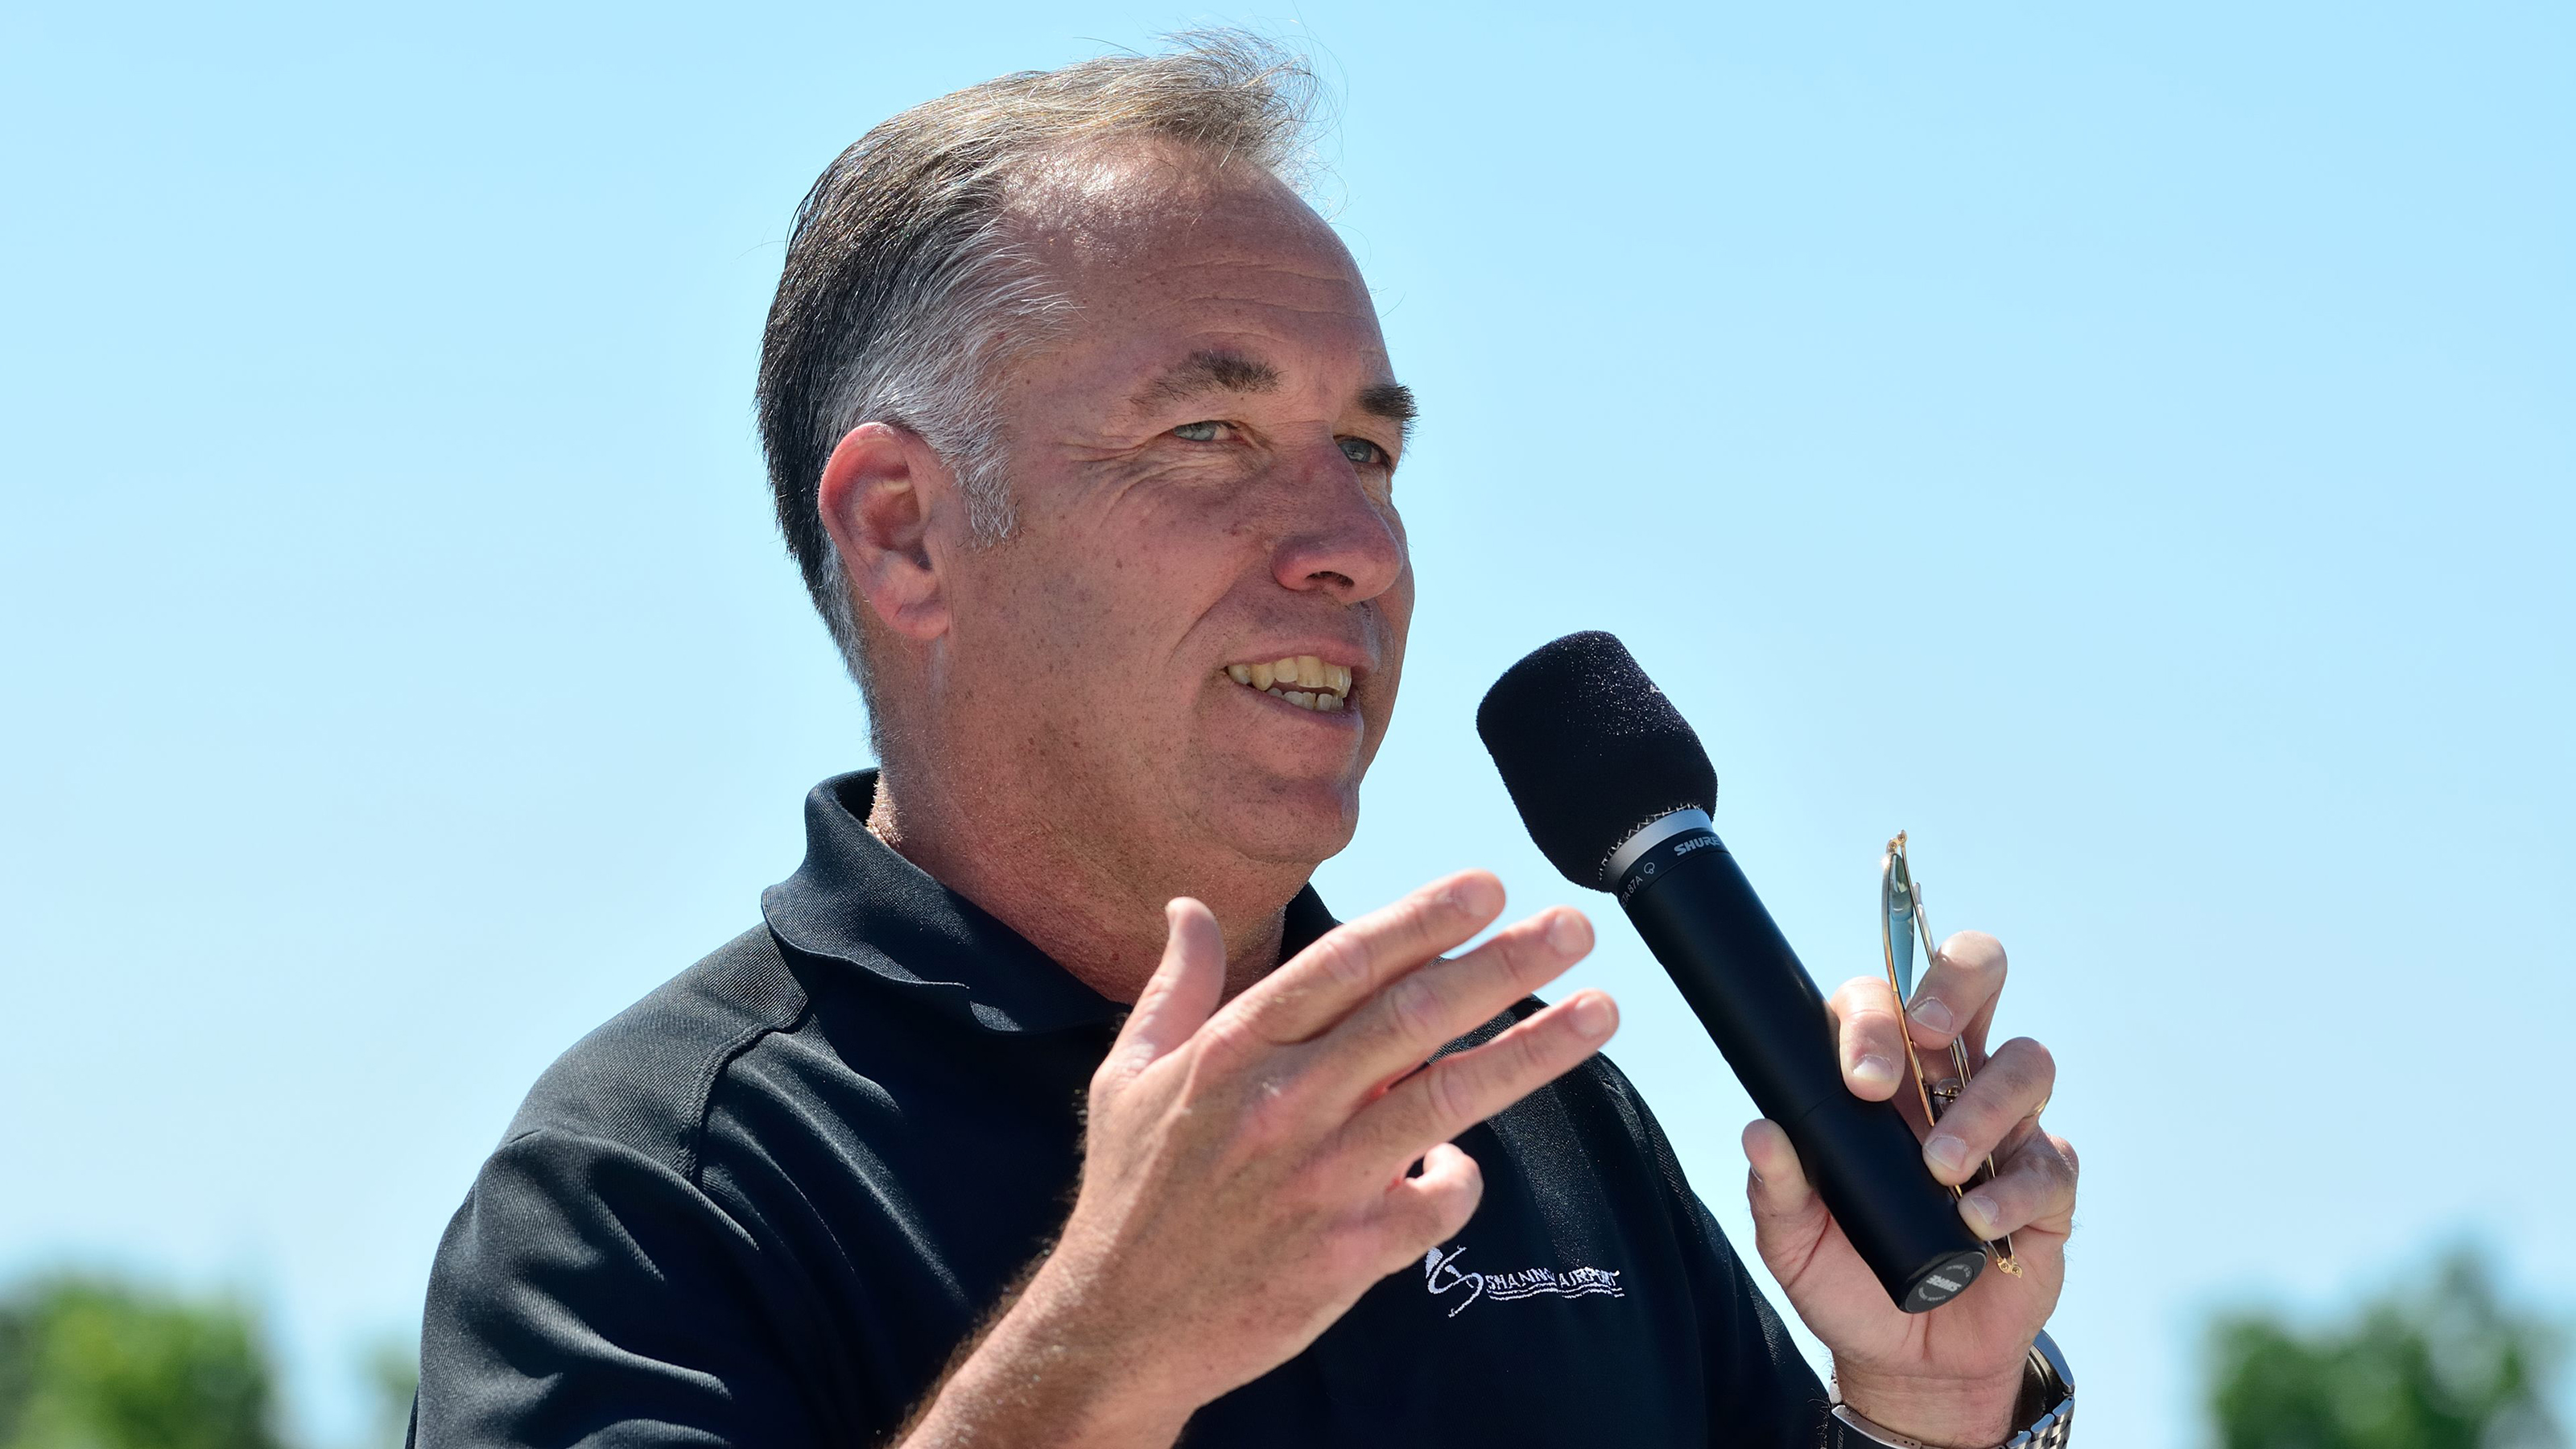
<point>1396,607</point>
<point>1034,625</point>
<point>1174,563</point>
<point>1112,608</point>
<point>1397,603</point>
<point>1148,598</point>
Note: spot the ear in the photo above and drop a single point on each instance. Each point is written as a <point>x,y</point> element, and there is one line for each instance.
<point>878,496</point>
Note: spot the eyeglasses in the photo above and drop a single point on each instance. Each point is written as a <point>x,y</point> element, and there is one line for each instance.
<point>1900,926</point>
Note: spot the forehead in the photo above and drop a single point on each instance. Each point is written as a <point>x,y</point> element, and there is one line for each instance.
<point>1166,246</point>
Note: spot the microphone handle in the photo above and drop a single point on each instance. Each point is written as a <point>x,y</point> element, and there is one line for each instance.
<point>1699,915</point>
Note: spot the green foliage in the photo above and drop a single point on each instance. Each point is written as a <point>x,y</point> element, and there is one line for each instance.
<point>90,1364</point>
<point>2446,1366</point>
<point>393,1373</point>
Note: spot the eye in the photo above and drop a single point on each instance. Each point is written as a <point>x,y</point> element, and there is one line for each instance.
<point>1365,453</point>
<point>1198,432</point>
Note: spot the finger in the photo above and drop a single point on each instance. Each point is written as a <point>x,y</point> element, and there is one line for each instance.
<point>1789,1217</point>
<point>1871,1037</point>
<point>1957,993</point>
<point>1421,1012</point>
<point>2034,1188</point>
<point>1777,1188</point>
<point>2007,1089</point>
<point>1429,1208</point>
<point>1179,996</point>
<point>1353,962</point>
<point>1457,1092</point>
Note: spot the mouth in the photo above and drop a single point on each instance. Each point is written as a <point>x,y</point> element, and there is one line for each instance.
<point>1302,680</point>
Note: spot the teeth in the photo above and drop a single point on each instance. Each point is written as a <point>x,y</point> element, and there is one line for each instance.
<point>1303,680</point>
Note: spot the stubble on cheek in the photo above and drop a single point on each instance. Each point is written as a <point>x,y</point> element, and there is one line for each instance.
<point>1087,691</point>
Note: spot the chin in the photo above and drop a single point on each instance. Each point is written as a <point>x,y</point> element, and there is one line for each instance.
<point>1269,783</point>
<point>1287,822</point>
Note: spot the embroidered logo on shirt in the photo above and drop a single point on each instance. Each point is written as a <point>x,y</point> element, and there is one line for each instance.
<point>1441,1274</point>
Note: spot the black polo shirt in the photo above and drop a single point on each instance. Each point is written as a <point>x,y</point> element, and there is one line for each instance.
<point>764,1205</point>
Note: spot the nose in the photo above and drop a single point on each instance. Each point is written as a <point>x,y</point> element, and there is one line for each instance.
<point>1342,537</point>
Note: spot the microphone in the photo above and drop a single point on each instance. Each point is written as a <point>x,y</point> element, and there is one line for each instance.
<point>1616,790</point>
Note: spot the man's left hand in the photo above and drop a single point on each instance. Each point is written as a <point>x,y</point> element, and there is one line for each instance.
<point>1949,1376</point>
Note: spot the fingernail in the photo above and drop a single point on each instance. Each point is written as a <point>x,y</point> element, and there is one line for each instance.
<point>1594,1016</point>
<point>1931,1015</point>
<point>1470,896</point>
<point>1946,1153</point>
<point>1978,1211</point>
<point>1565,933</point>
<point>1874,1070</point>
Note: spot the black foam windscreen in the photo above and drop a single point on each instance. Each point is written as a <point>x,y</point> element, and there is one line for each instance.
<point>1590,750</point>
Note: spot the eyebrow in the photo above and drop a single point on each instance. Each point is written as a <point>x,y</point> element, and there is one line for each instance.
<point>1219,370</point>
<point>1210,370</point>
<point>1392,401</point>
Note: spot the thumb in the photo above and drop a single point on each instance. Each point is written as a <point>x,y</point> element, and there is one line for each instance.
<point>1181,994</point>
<point>1788,1216</point>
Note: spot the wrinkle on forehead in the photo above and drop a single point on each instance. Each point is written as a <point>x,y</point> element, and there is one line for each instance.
<point>1174,257</point>
<point>1116,202</point>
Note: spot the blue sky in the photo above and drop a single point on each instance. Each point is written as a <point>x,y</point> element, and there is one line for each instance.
<point>2130,452</point>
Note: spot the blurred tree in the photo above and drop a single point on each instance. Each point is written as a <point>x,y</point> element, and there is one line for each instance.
<point>2445,1366</point>
<point>392,1370</point>
<point>90,1364</point>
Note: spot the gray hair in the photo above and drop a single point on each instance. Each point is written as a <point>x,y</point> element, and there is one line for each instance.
<point>903,294</point>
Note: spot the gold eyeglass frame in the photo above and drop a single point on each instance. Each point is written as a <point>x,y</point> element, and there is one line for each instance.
<point>1900,926</point>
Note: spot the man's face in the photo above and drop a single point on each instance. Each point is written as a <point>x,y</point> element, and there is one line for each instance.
<point>1202,468</point>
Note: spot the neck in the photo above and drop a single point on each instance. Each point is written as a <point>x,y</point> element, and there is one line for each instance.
<point>1093,904</point>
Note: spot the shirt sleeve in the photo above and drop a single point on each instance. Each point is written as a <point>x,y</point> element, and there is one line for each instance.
<point>587,1295</point>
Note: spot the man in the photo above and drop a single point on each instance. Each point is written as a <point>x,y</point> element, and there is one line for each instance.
<point>1048,1105</point>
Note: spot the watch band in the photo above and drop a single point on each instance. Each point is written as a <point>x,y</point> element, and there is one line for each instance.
<point>2047,1406</point>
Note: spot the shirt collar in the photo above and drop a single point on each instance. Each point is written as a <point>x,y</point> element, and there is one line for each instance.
<point>856,900</point>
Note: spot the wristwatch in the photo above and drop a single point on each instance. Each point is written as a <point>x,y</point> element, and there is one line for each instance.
<point>2047,1406</point>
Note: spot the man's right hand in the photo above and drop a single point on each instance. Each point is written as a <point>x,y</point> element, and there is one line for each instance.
<point>1249,1168</point>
